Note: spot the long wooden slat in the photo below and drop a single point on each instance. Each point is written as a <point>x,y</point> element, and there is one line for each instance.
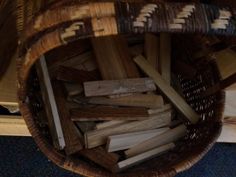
<point>139,100</point>
<point>72,137</point>
<point>152,49</point>
<point>112,55</point>
<point>142,157</point>
<point>108,113</point>
<point>98,137</point>
<point>109,124</point>
<point>116,87</point>
<point>128,140</point>
<point>156,141</point>
<point>170,93</point>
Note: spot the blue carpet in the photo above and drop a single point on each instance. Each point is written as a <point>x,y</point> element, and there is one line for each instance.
<point>20,157</point>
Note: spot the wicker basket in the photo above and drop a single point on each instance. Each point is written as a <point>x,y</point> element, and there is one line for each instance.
<point>44,28</point>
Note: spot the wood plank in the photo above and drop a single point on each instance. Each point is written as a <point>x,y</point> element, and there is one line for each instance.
<point>114,61</point>
<point>165,57</point>
<point>152,49</point>
<point>116,87</point>
<point>128,140</point>
<point>101,157</point>
<point>139,100</point>
<point>8,88</point>
<point>142,157</point>
<point>77,76</point>
<point>51,110</point>
<point>109,124</point>
<point>13,126</point>
<point>228,134</point>
<point>159,140</point>
<point>164,108</point>
<point>99,113</point>
<point>72,137</point>
<point>170,93</point>
<point>226,62</point>
<point>99,137</point>
<point>230,103</point>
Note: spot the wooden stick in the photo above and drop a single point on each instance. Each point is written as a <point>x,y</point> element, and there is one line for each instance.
<point>71,134</point>
<point>170,93</point>
<point>113,58</point>
<point>114,87</point>
<point>139,100</point>
<point>51,108</point>
<point>162,109</point>
<point>78,76</point>
<point>152,47</point>
<point>128,140</point>
<point>73,89</point>
<point>108,113</point>
<point>101,157</point>
<point>110,124</point>
<point>156,141</point>
<point>165,57</point>
<point>142,157</point>
<point>99,137</point>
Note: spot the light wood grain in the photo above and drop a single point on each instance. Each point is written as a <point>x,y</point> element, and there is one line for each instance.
<point>228,134</point>
<point>142,157</point>
<point>139,100</point>
<point>156,141</point>
<point>170,93</point>
<point>128,140</point>
<point>13,126</point>
<point>109,124</point>
<point>116,87</point>
<point>99,137</point>
<point>230,103</point>
<point>164,108</point>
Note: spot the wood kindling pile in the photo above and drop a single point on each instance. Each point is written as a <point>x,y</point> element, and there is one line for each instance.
<point>113,102</point>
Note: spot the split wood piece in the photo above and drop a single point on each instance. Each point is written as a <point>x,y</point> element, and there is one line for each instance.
<point>226,62</point>
<point>128,140</point>
<point>223,84</point>
<point>116,87</point>
<point>228,134</point>
<point>86,126</point>
<point>99,137</point>
<point>73,89</point>
<point>13,126</point>
<point>77,76</point>
<point>101,157</point>
<point>230,104</point>
<point>71,133</point>
<point>139,100</point>
<point>142,157</point>
<point>164,108</point>
<point>184,69</point>
<point>152,49</point>
<point>165,57</point>
<point>108,113</point>
<point>114,61</point>
<point>136,50</point>
<point>53,118</point>
<point>170,93</point>
<point>159,140</point>
<point>110,124</point>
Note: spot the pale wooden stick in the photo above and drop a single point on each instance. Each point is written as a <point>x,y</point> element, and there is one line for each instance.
<point>114,87</point>
<point>166,107</point>
<point>128,140</point>
<point>156,141</point>
<point>99,137</point>
<point>109,124</point>
<point>139,100</point>
<point>142,157</point>
<point>170,93</point>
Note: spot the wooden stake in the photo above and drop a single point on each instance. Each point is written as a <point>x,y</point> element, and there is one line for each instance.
<point>142,157</point>
<point>99,137</point>
<point>108,113</point>
<point>116,87</point>
<point>71,134</point>
<point>139,100</point>
<point>156,141</point>
<point>128,140</point>
<point>170,93</point>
